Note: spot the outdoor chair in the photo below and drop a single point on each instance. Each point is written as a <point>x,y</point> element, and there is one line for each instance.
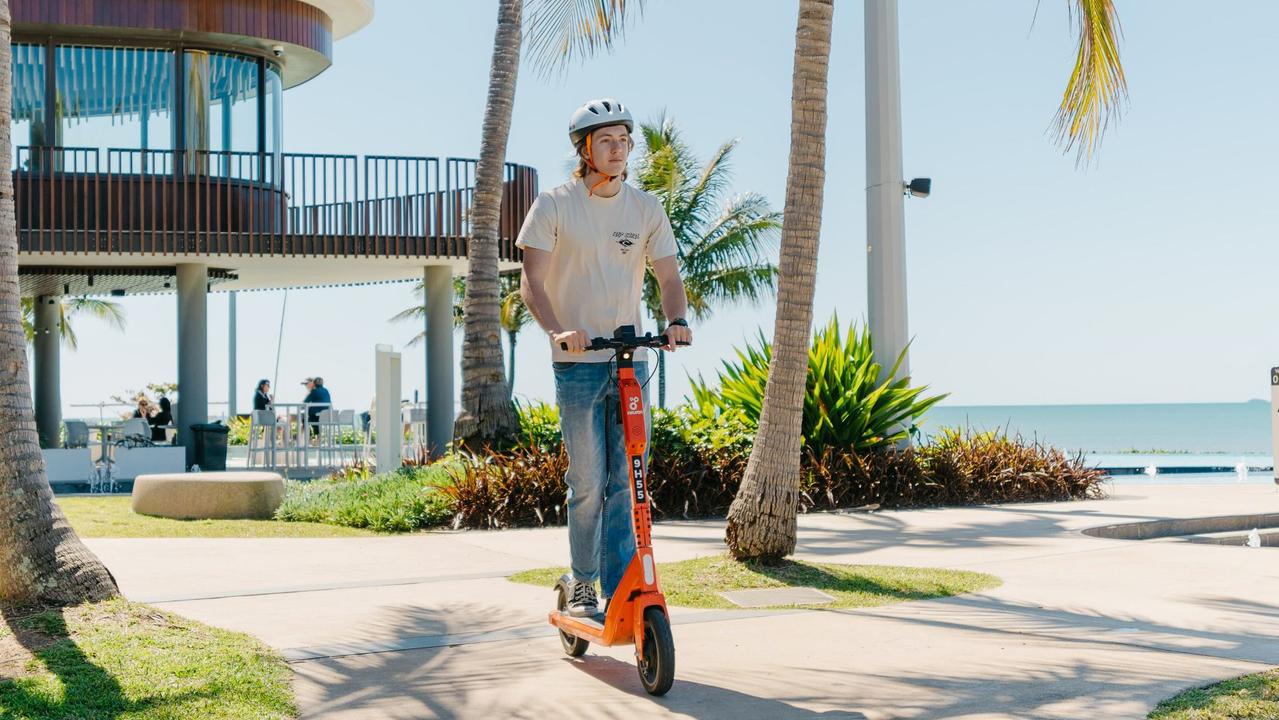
<point>328,427</point>
<point>347,428</point>
<point>415,430</point>
<point>77,434</point>
<point>135,427</point>
<point>262,437</point>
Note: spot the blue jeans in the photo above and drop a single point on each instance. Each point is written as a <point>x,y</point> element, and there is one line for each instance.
<point>598,475</point>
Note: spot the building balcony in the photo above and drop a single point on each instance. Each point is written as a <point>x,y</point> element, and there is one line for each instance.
<point>117,207</point>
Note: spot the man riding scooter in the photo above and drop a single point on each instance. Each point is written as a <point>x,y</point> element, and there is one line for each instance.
<point>587,244</point>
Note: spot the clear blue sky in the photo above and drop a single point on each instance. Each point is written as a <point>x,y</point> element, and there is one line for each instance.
<point>1149,277</point>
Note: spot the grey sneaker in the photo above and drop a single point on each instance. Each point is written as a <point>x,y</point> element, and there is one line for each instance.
<point>583,602</point>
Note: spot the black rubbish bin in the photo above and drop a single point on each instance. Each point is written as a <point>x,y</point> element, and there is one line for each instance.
<point>210,445</point>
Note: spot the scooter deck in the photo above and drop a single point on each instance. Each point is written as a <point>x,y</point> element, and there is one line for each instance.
<point>591,629</point>
<point>595,621</point>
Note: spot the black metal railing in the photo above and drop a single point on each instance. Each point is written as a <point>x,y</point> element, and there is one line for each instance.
<point>86,200</point>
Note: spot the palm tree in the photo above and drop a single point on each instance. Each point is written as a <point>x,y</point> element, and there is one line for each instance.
<point>761,520</point>
<point>514,313</point>
<point>105,310</point>
<point>720,243</point>
<point>417,313</point>
<point>487,413</point>
<point>559,30</point>
<point>515,316</point>
<point>41,558</point>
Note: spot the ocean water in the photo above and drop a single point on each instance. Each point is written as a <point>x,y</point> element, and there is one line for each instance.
<point>1155,429</point>
<point>1167,443</point>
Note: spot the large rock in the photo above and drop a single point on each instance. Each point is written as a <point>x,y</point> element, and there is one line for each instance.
<point>209,495</point>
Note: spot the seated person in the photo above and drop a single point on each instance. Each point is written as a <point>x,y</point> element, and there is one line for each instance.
<point>162,417</point>
<point>262,399</point>
<point>144,408</point>
<point>316,393</point>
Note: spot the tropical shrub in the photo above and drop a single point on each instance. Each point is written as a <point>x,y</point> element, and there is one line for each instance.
<point>998,468</point>
<point>539,424</point>
<point>846,405</point>
<point>237,431</point>
<point>518,487</point>
<point>401,501</point>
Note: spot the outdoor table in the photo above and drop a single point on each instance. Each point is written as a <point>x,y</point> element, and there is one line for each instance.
<point>104,432</point>
<point>290,410</point>
<point>298,412</point>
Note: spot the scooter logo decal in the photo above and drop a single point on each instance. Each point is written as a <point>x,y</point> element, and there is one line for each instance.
<point>637,473</point>
<point>632,406</point>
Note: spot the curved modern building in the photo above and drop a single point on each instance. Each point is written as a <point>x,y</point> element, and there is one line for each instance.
<point>150,158</point>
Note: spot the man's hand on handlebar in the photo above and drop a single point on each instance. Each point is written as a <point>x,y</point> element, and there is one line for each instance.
<point>677,335</point>
<point>574,341</point>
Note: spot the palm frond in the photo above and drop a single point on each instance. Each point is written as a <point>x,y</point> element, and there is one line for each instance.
<point>28,306</point>
<point>1097,88</point>
<point>110,312</point>
<point>514,315</point>
<point>737,284</point>
<point>721,248</point>
<point>714,178</point>
<point>561,31</point>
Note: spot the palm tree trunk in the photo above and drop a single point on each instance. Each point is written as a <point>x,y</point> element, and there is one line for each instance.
<point>487,413</point>
<point>660,318</point>
<point>510,373</point>
<point>761,520</point>
<point>661,379</point>
<point>41,559</point>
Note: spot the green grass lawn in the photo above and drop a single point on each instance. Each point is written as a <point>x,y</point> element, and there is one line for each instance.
<point>112,517</point>
<point>1251,697</point>
<point>697,583</point>
<point>120,660</point>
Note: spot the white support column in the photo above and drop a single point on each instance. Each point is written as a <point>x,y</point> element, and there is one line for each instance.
<point>232,386</point>
<point>438,280</point>
<point>193,352</point>
<point>885,210</point>
<point>47,363</point>
<point>390,430</point>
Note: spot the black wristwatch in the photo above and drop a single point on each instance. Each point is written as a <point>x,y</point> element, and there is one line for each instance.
<point>678,321</point>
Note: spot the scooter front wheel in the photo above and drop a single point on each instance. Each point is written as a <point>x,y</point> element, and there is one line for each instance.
<point>657,665</point>
<point>573,645</point>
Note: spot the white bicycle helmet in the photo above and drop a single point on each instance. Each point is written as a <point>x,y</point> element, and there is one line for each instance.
<point>598,113</point>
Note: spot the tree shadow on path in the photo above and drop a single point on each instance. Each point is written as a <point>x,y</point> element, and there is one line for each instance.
<point>700,700</point>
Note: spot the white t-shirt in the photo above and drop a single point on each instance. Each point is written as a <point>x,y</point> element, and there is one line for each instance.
<point>598,249</point>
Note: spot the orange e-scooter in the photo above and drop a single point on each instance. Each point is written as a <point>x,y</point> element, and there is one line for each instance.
<point>636,612</point>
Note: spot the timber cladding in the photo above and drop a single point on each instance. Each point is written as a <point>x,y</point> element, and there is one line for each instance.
<point>281,21</point>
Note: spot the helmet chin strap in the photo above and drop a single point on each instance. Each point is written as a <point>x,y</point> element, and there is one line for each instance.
<point>590,162</point>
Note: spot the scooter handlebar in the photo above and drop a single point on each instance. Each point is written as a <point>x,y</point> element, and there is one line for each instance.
<point>599,343</point>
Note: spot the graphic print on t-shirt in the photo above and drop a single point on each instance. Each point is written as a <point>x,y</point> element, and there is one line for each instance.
<point>625,240</point>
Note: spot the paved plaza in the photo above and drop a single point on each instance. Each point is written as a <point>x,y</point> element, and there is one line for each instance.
<point>426,625</point>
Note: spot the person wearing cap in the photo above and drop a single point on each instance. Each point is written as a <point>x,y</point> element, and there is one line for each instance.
<point>316,393</point>
<point>587,245</point>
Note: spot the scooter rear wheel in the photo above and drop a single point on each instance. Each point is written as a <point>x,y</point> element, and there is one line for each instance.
<point>573,645</point>
<point>657,665</point>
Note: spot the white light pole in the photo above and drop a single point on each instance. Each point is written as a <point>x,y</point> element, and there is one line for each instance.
<point>885,222</point>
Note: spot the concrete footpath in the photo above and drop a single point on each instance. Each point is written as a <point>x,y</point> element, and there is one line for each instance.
<point>427,626</point>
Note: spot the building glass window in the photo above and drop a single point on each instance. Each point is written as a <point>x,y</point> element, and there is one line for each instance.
<point>113,97</point>
<point>27,122</point>
<point>221,129</point>
<point>272,143</point>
